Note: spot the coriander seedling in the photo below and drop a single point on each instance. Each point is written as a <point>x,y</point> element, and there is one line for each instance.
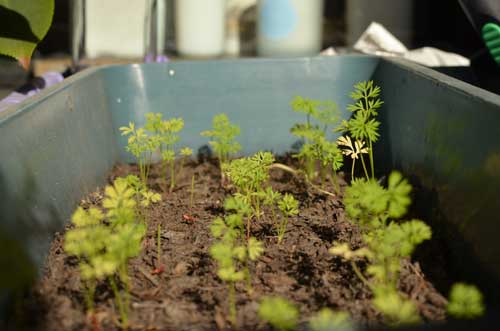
<point>289,207</point>
<point>105,242</point>
<point>223,138</point>
<point>185,153</point>
<point>249,176</point>
<point>230,251</point>
<point>388,241</point>
<point>191,193</point>
<point>465,302</point>
<point>319,116</point>
<point>271,198</point>
<point>327,320</point>
<point>279,312</point>
<point>169,136</point>
<point>142,145</point>
<point>363,126</point>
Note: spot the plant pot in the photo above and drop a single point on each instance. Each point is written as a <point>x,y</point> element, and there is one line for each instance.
<point>440,132</point>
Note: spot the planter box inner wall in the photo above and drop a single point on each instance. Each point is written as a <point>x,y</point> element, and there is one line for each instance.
<point>440,132</point>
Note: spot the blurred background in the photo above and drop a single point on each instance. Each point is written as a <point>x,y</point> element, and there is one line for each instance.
<point>94,32</point>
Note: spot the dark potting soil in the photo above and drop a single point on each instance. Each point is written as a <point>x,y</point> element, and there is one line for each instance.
<point>188,295</point>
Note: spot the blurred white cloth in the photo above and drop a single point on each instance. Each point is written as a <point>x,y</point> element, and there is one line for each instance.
<point>377,40</point>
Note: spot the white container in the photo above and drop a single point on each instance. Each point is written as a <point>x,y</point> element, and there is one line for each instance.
<point>289,27</point>
<point>114,29</point>
<point>200,27</point>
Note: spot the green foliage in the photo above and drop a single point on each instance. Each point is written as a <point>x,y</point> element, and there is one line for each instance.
<point>396,309</point>
<point>363,125</point>
<point>231,252</point>
<point>249,176</point>
<point>24,24</point>
<point>223,137</point>
<point>157,134</point>
<point>141,145</point>
<point>250,173</point>
<point>367,202</point>
<point>327,320</point>
<point>316,148</point>
<point>289,207</point>
<point>388,241</point>
<point>465,301</point>
<point>279,312</point>
<point>143,196</point>
<point>166,132</point>
<point>104,242</point>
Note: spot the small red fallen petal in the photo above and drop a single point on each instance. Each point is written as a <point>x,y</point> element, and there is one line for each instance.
<point>159,270</point>
<point>188,218</point>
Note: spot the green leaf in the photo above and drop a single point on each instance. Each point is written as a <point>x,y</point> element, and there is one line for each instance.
<point>255,248</point>
<point>218,227</point>
<point>288,205</point>
<point>327,320</point>
<point>24,24</point>
<point>465,301</point>
<point>280,313</point>
<point>395,309</point>
<point>399,195</point>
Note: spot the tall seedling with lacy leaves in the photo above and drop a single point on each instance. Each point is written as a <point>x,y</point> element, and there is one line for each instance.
<point>363,126</point>
<point>320,116</point>
<point>249,175</point>
<point>104,243</point>
<point>223,138</point>
<point>231,251</point>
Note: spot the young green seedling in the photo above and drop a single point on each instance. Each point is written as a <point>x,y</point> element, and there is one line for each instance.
<point>327,320</point>
<point>159,266</point>
<point>465,302</point>
<point>249,176</point>
<point>231,253</point>
<point>363,126</point>
<point>271,198</point>
<point>185,153</point>
<point>279,312</point>
<point>86,241</point>
<point>142,145</point>
<point>289,207</point>
<point>319,116</point>
<point>169,136</point>
<point>142,195</point>
<point>191,194</point>
<point>388,241</point>
<point>104,242</point>
<point>223,138</point>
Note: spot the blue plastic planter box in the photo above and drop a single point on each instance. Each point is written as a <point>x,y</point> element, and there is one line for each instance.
<point>442,133</point>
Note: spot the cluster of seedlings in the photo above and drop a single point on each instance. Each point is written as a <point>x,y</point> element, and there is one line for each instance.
<point>105,239</point>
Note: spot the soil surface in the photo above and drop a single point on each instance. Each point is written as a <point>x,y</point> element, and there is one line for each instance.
<point>188,295</point>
